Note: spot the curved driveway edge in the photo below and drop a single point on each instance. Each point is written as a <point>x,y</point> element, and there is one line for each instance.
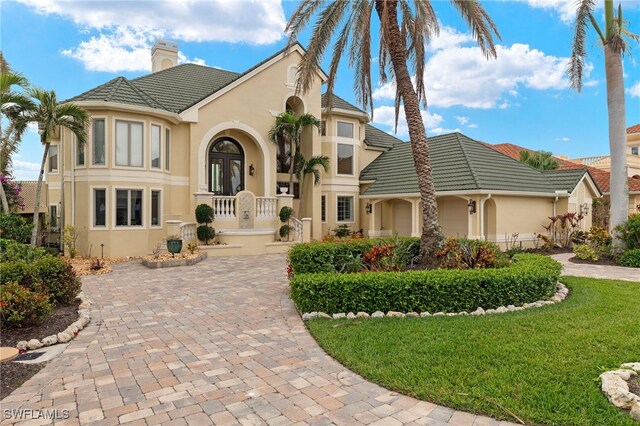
<point>216,343</point>
<point>596,271</point>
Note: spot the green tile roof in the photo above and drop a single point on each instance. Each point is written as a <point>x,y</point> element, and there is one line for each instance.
<point>460,163</point>
<point>379,139</point>
<point>338,102</point>
<point>565,179</point>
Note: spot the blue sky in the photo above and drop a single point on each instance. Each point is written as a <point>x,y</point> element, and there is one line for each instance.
<point>522,97</point>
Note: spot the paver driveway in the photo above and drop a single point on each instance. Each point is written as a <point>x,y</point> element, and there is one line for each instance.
<point>217,343</point>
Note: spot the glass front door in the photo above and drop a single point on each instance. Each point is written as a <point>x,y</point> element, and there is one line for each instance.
<point>226,167</point>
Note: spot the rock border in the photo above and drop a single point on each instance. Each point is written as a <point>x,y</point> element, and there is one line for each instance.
<point>84,317</point>
<point>561,293</point>
<point>171,263</point>
<point>616,388</point>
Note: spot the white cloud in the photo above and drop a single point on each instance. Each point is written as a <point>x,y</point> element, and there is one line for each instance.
<point>456,74</point>
<point>25,170</point>
<point>126,29</point>
<point>385,115</point>
<point>442,131</point>
<point>634,90</point>
<point>565,8</point>
<point>462,120</point>
<point>563,139</point>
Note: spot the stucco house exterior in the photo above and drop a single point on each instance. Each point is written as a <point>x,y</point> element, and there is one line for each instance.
<point>187,134</point>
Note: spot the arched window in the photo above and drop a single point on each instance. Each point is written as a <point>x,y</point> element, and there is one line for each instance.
<point>226,167</point>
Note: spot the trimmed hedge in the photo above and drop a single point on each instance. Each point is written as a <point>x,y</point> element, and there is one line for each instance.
<point>332,256</point>
<point>630,258</point>
<point>529,278</point>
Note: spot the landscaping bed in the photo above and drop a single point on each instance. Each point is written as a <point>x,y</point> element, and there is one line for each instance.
<point>14,374</point>
<point>166,260</point>
<point>541,365</point>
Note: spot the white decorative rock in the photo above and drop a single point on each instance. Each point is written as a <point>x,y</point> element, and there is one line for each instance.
<point>425,314</point>
<point>64,337</point>
<point>412,314</point>
<point>478,311</point>
<point>50,340</point>
<point>394,314</point>
<point>362,315</point>
<point>21,345</point>
<point>490,311</point>
<point>511,308</point>
<point>557,298</point>
<point>616,389</point>
<point>463,313</point>
<point>324,315</point>
<point>34,344</point>
<point>340,315</point>
<point>452,314</point>
<point>306,316</point>
<point>635,366</point>
<point>438,314</point>
<point>377,314</point>
<point>351,315</point>
<point>501,310</point>
<point>635,411</point>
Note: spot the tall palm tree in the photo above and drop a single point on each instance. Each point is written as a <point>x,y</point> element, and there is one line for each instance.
<point>541,160</point>
<point>48,114</point>
<point>614,46</point>
<point>406,26</point>
<point>288,128</point>
<point>12,103</point>
<point>306,167</point>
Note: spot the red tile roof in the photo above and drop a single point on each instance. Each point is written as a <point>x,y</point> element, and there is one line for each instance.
<point>602,178</point>
<point>633,129</point>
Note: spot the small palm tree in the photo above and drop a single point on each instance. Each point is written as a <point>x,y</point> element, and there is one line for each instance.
<point>406,26</point>
<point>48,114</point>
<point>541,160</point>
<point>288,128</point>
<point>614,46</point>
<point>306,167</point>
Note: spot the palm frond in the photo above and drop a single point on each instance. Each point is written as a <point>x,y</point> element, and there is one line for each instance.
<point>482,26</point>
<point>575,69</point>
<point>300,18</point>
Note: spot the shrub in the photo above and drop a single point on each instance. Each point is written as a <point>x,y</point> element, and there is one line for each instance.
<point>342,231</point>
<point>529,278</point>
<point>11,250</point>
<point>600,241</point>
<point>15,227</point>
<point>20,307</point>
<point>629,232</point>
<point>50,275</point>
<point>285,214</point>
<point>70,236</point>
<point>461,253</point>
<point>204,213</point>
<point>205,233</point>
<point>630,258</point>
<point>585,252</point>
<point>284,231</point>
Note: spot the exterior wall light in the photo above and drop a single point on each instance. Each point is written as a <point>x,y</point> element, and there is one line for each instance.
<point>252,170</point>
<point>368,208</point>
<point>584,209</point>
<point>472,206</point>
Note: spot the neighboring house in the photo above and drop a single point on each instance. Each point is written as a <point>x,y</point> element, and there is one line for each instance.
<point>603,162</point>
<point>601,177</point>
<point>187,134</point>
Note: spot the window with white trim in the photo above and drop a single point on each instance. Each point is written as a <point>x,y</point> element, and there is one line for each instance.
<point>155,208</point>
<point>129,150</point>
<point>53,159</point>
<point>53,216</point>
<point>98,138</point>
<point>128,207</point>
<point>79,153</point>
<point>323,128</point>
<point>167,149</point>
<point>345,159</point>
<point>634,150</point>
<point>156,131</point>
<point>345,129</point>
<point>99,207</point>
<point>345,208</point>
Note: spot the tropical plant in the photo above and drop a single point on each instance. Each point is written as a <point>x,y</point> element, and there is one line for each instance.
<point>629,232</point>
<point>48,114</point>
<point>70,236</point>
<point>289,128</point>
<point>541,160</point>
<point>204,216</point>
<point>285,216</point>
<point>405,29</point>
<point>614,45</point>
<point>306,167</point>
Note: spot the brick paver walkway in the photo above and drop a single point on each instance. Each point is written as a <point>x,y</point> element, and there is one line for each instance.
<point>596,271</point>
<point>217,343</point>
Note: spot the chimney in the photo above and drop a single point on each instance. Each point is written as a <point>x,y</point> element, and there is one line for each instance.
<point>164,54</point>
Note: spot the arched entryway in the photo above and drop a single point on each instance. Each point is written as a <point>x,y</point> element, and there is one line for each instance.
<point>226,167</point>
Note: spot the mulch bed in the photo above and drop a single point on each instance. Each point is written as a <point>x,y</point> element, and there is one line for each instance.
<point>607,262</point>
<point>61,318</point>
<point>15,374</point>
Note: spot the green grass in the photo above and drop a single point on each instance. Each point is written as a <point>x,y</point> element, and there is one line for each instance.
<point>540,364</point>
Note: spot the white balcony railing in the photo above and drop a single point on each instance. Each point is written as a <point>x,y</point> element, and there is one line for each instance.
<point>592,160</point>
<point>188,231</point>
<point>224,207</point>
<point>266,207</point>
<point>296,224</point>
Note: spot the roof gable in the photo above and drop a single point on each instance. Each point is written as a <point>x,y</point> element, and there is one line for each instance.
<point>376,138</point>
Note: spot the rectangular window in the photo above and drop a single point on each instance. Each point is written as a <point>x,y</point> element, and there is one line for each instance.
<point>129,207</point>
<point>53,216</point>
<point>128,144</point>
<point>53,158</point>
<point>634,150</point>
<point>79,153</point>
<point>323,208</point>
<point>155,208</point>
<point>345,130</point>
<point>167,150</point>
<point>345,159</point>
<point>345,209</point>
<point>155,146</point>
<point>98,142</point>
<point>99,207</point>
<point>323,128</point>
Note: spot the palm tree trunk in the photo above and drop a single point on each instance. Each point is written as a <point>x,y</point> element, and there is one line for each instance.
<point>431,233</point>
<point>3,195</point>
<point>302,179</point>
<point>36,208</point>
<point>617,137</point>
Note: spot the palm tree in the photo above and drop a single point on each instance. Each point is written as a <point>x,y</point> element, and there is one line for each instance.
<point>288,128</point>
<point>306,167</point>
<point>48,114</point>
<point>614,46</point>
<point>11,104</point>
<point>405,28</point>
<point>541,160</point>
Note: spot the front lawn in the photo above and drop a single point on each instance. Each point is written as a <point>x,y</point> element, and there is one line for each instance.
<point>540,364</point>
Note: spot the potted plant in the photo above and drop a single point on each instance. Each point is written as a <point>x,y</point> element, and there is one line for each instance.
<point>285,215</point>
<point>174,244</point>
<point>204,216</point>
